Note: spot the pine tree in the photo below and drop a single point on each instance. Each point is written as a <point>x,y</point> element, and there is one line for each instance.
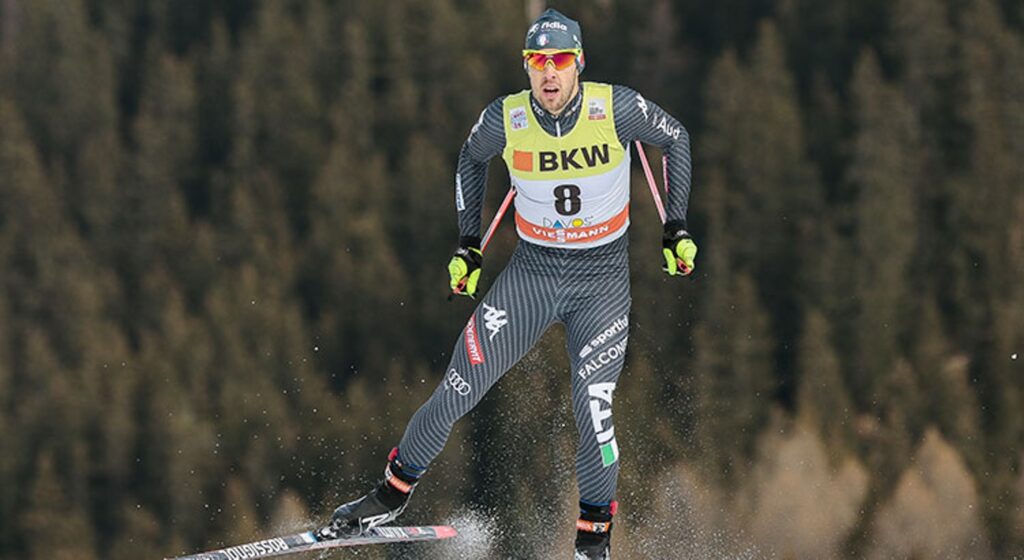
<point>216,70</point>
<point>658,63</point>
<point>280,124</point>
<point>29,200</point>
<point>182,344</point>
<point>424,188</point>
<point>54,528</point>
<point>399,116</point>
<point>931,511</point>
<point>951,399</point>
<point>152,221</point>
<point>241,521</point>
<point>784,492</point>
<point>54,290</point>
<point>139,535</point>
<point>987,272</point>
<point>823,119</point>
<point>255,327</point>
<point>901,413</point>
<point>55,47</point>
<point>826,37</point>
<point>884,169</point>
<point>95,201</point>
<point>734,385</point>
<point>440,29</point>
<point>8,463</point>
<point>290,513</point>
<point>356,273</point>
<point>822,397</point>
<point>104,382</point>
<point>733,374</point>
<point>498,47</point>
<point>181,454</point>
<point>755,138</point>
<point>923,41</point>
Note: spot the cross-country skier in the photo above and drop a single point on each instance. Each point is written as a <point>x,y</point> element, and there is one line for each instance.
<point>566,146</point>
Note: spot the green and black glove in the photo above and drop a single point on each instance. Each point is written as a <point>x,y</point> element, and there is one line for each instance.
<point>464,268</point>
<point>679,249</point>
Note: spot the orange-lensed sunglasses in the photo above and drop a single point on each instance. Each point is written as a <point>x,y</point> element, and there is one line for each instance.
<point>561,59</point>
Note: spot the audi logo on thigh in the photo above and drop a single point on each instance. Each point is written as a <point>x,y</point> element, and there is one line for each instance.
<point>455,381</point>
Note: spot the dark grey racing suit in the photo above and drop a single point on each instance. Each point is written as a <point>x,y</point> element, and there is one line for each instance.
<point>585,289</point>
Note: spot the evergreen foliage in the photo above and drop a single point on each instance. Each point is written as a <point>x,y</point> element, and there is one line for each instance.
<point>224,224</point>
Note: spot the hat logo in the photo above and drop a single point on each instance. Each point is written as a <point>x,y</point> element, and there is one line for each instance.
<point>543,39</point>
<point>553,25</point>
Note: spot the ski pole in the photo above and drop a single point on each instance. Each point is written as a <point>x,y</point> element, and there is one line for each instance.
<point>490,232</point>
<point>497,218</point>
<point>650,179</point>
<point>664,172</point>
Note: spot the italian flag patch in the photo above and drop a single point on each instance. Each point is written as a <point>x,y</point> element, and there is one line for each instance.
<point>609,453</point>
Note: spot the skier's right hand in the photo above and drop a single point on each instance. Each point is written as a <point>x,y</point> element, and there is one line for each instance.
<point>464,269</point>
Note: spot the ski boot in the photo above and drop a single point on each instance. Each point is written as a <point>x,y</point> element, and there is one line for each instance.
<point>386,502</point>
<point>594,531</point>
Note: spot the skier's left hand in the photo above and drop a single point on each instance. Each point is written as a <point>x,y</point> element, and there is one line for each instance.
<point>464,269</point>
<point>679,250</point>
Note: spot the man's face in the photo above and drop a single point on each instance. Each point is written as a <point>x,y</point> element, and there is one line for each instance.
<point>553,88</point>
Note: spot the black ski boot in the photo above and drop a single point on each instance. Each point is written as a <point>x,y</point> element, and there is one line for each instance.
<point>386,502</point>
<point>594,531</point>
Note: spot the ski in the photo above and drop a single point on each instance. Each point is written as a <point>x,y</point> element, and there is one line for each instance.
<point>306,542</point>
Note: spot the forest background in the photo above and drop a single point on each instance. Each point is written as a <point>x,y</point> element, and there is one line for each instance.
<point>224,227</point>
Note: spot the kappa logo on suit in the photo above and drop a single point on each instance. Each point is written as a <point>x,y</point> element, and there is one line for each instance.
<point>494,320</point>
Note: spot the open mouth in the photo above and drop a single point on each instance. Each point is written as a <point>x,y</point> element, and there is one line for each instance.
<point>550,92</point>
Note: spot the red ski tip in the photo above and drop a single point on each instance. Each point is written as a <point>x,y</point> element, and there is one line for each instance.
<point>445,532</point>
